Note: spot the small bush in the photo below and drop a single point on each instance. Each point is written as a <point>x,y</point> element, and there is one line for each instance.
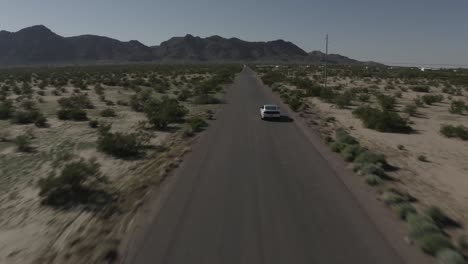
<point>422,158</point>
<point>432,99</point>
<point>411,109</point>
<point>6,109</point>
<point>387,103</point>
<point>401,147</point>
<point>449,256</point>
<point>93,123</point>
<point>344,137</point>
<point>421,89</point>
<point>108,112</point>
<point>451,131</point>
<point>392,198</point>
<point>364,97</point>
<point>420,226</point>
<point>373,180</point>
<point>457,107</point>
<point>371,169</point>
<point>383,121</point>
<point>161,113</point>
<point>120,145</point>
<point>41,121</point>
<point>205,99</point>
<point>23,143</point>
<point>197,124</point>
<point>72,114</point>
<point>463,242</point>
<point>350,152</point>
<point>404,210</point>
<point>344,100</point>
<point>439,218</point>
<point>434,242</point>
<point>79,182</point>
<point>27,117</point>
<point>369,157</point>
<point>76,102</point>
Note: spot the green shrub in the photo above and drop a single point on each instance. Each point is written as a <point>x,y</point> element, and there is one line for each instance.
<point>432,99</point>
<point>72,114</point>
<point>371,169</point>
<point>369,157</point>
<point>404,210</point>
<point>457,107</point>
<point>27,117</point>
<point>79,182</point>
<point>108,112</point>
<point>120,145</point>
<point>338,146</point>
<point>364,97</point>
<point>41,121</point>
<point>449,256</point>
<point>454,131</point>
<point>463,242</point>
<point>373,180</point>
<point>439,218</point>
<point>421,89</point>
<point>432,243</point>
<point>386,102</point>
<point>23,143</point>
<point>392,198</point>
<point>420,226</point>
<point>197,124</point>
<point>411,109</point>
<point>205,99</point>
<point>93,123</point>
<point>422,158</point>
<point>383,121</point>
<point>6,109</point>
<point>350,152</point>
<point>327,95</point>
<point>76,102</point>
<point>344,137</point>
<point>344,100</point>
<point>140,99</point>
<point>161,113</point>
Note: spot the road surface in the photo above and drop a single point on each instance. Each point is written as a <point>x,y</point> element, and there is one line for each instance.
<point>254,191</point>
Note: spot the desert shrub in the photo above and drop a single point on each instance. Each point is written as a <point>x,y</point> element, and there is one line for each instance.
<point>161,113</point>
<point>386,102</point>
<point>369,157</point>
<point>411,109</point>
<point>364,97</point>
<point>197,123</point>
<point>422,158</point>
<point>41,121</point>
<point>139,100</point>
<point>421,89</point>
<point>382,120</point>
<point>439,218</point>
<point>93,123</point>
<point>432,99</point>
<point>373,180</point>
<point>451,131</point>
<point>418,101</point>
<point>99,89</point>
<point>420,225</point>
<point>41,93</point>
<point>327,95</point>
<point>27,117</point>
<point>273,77</point>
<point>120,145</point>
<point>108,112</point>
<point>457,107</point>
<point>205,99</point>
<point>350,152</point>
<point>433,243</point>
<point>72,114</point>
<point>401,147</point>
<point>79,182</point>
<point>23,143</point>
<point>184,95</point>
<point>295,102</point>
<point>338,146</point>
<point>343,136</point>
<point>344,100</point>
<point>398,94</point>
<point>76,102</point>
<point>314,90</point>
<point>404,210</point>
<point>393,198</point>
<point>6,109</point>
<point>370,169</point>
<point>449,256</point>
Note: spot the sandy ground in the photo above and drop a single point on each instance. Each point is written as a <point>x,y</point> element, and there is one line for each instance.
<point>27,229</point>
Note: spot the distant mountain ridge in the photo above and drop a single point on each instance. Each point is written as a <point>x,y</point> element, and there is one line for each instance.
<point>38,45</point>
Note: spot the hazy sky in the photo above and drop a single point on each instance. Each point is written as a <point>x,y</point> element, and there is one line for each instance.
<point>414,31</point>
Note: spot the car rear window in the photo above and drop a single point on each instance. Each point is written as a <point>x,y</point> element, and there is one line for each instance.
<point>270,108</point>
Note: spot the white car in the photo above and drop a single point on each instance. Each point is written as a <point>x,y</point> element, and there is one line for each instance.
<point>270,111</point>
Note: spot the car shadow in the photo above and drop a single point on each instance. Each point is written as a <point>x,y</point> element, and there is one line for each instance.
<point>282,119</point>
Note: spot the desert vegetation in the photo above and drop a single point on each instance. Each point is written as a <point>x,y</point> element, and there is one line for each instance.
<point>397,128</point>
<point>74,142</point>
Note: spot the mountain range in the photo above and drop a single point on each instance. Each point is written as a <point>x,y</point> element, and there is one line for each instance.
<point>38,45</point>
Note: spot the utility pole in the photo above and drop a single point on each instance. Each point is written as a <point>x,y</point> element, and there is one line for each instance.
<point>326,60</point>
